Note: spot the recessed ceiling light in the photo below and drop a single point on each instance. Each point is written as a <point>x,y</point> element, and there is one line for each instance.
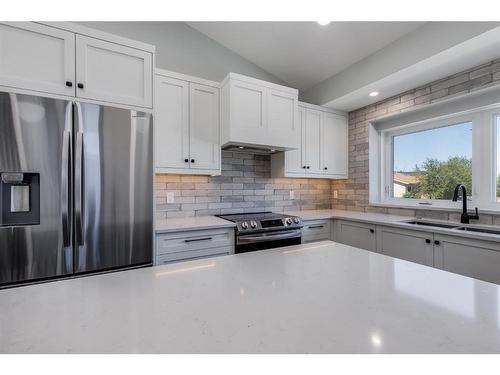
<point>324,23</point>
<point>241,147</point>
<point>273,150</point>
<point>373,93</point>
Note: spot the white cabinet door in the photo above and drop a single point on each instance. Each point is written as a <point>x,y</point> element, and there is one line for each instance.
<point>204,127</point>
<point>37,57</point>
<point>313,142</point>
<point>356,234</point>
<point>283,125</point>
<point>113,73</point>
<point>171,123</point>
<point>294,158</point>
<point>474,258</point>
<point>414,246</point>
<point>334,145</point>
<point>248,104</point>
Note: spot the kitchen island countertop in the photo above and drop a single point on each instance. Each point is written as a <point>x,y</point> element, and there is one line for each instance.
<point>322,297</point>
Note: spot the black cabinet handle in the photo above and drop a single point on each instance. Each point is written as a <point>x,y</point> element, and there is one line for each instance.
<point>372,230</point>
<point>437,243</point>
<point>80,85</point>
<point>192,160</point>
<point>307,167</point>
<point>198,239</point>
<point>427,240</point>
<point>304,166</point>
<point>315,226</point>
<point>69,83</point>
<point>325,168</point>
<point>186,160</point>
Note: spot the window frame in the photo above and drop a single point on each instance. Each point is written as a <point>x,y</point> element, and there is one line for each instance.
<point>484,160</point>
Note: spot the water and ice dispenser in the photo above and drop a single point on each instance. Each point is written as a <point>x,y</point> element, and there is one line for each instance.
<point>19,198</point>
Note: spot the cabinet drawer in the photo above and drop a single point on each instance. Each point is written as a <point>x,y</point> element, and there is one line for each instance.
<point>193,254</point>
<point>170,243</point>
<point>316,230</point>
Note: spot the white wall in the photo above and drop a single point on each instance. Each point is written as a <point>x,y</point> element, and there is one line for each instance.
<point>185,50</point>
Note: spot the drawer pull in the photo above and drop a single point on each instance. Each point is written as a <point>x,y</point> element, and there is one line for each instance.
<point>315,226</point>
<point>427,240</point>
<point>372,230</point>
<point>198,239</point>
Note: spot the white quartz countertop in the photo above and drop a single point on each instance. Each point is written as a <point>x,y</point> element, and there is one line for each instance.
<point>191,223</point>
<point>397,221</point>
<point>316,298</point>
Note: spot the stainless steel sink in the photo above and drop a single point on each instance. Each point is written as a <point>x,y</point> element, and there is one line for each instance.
<point>432,224</point>
<point>454,226</point>
<point>479,230</point>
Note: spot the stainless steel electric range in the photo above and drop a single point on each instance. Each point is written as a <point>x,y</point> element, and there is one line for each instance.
<point>264,230</point>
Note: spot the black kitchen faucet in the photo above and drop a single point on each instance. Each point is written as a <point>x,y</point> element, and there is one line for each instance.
<point>465,217</point>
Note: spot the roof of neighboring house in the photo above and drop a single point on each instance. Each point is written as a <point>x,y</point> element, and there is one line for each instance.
<point>405,179</point>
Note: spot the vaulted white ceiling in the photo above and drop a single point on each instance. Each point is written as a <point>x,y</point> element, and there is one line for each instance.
<point>305,53</point>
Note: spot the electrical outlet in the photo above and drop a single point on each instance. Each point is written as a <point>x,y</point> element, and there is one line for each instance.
<point>335,194</point>
<point>292,194</point>
<point>170,197</point>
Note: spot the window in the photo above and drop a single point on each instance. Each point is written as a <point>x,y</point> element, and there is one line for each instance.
<point>428,164</point>
<point>420,163</point>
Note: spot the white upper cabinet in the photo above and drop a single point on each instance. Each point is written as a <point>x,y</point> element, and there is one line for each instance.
<point>259,114</point>
<point>295,159</point>
<point>113,73</point>
<point>171,122</point>
<point>37,57</point>
<point>334,145</point>
<point>323,146</point>
<point>312,144</point>
<point>187,124</point>
<point>204,137</point>
<point>59,60</point>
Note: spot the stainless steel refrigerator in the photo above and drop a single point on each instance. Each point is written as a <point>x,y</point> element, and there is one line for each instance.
<point>76,188</point>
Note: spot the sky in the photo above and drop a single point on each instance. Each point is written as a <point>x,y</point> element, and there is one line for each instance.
<point>441,143</point>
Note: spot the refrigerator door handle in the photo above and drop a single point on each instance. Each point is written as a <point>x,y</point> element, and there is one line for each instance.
<point>66,163</point>
<point>65,187</point>
<point>79,179</point>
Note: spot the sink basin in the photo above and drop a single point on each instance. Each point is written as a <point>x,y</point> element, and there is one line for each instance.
<point>432,224</point>
<point>479,230</point>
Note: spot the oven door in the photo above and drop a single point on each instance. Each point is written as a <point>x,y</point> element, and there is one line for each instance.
<point>268,240</point>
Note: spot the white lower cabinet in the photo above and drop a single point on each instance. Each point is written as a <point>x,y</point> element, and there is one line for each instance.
<point>356,234</point>
<point>414,246</point>
<point>474,258</point>
<point>193,244</point>
<point>316,230</point>
<point>187,124</point>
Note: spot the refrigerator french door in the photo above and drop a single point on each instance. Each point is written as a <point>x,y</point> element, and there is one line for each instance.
<point>76,189</point>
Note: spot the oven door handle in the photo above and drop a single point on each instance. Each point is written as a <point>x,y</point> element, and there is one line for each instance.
<point>264,237</point>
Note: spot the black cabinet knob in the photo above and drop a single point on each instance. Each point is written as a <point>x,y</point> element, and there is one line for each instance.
<point>437,243</point>
<point>372,230</point>
<point>80,85</point>
<point>69,83</point>
<point>307,167</point>
<point>325,168</point>
<point>427,240</point>
<point>192,160</point>
<point>186,160</point>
